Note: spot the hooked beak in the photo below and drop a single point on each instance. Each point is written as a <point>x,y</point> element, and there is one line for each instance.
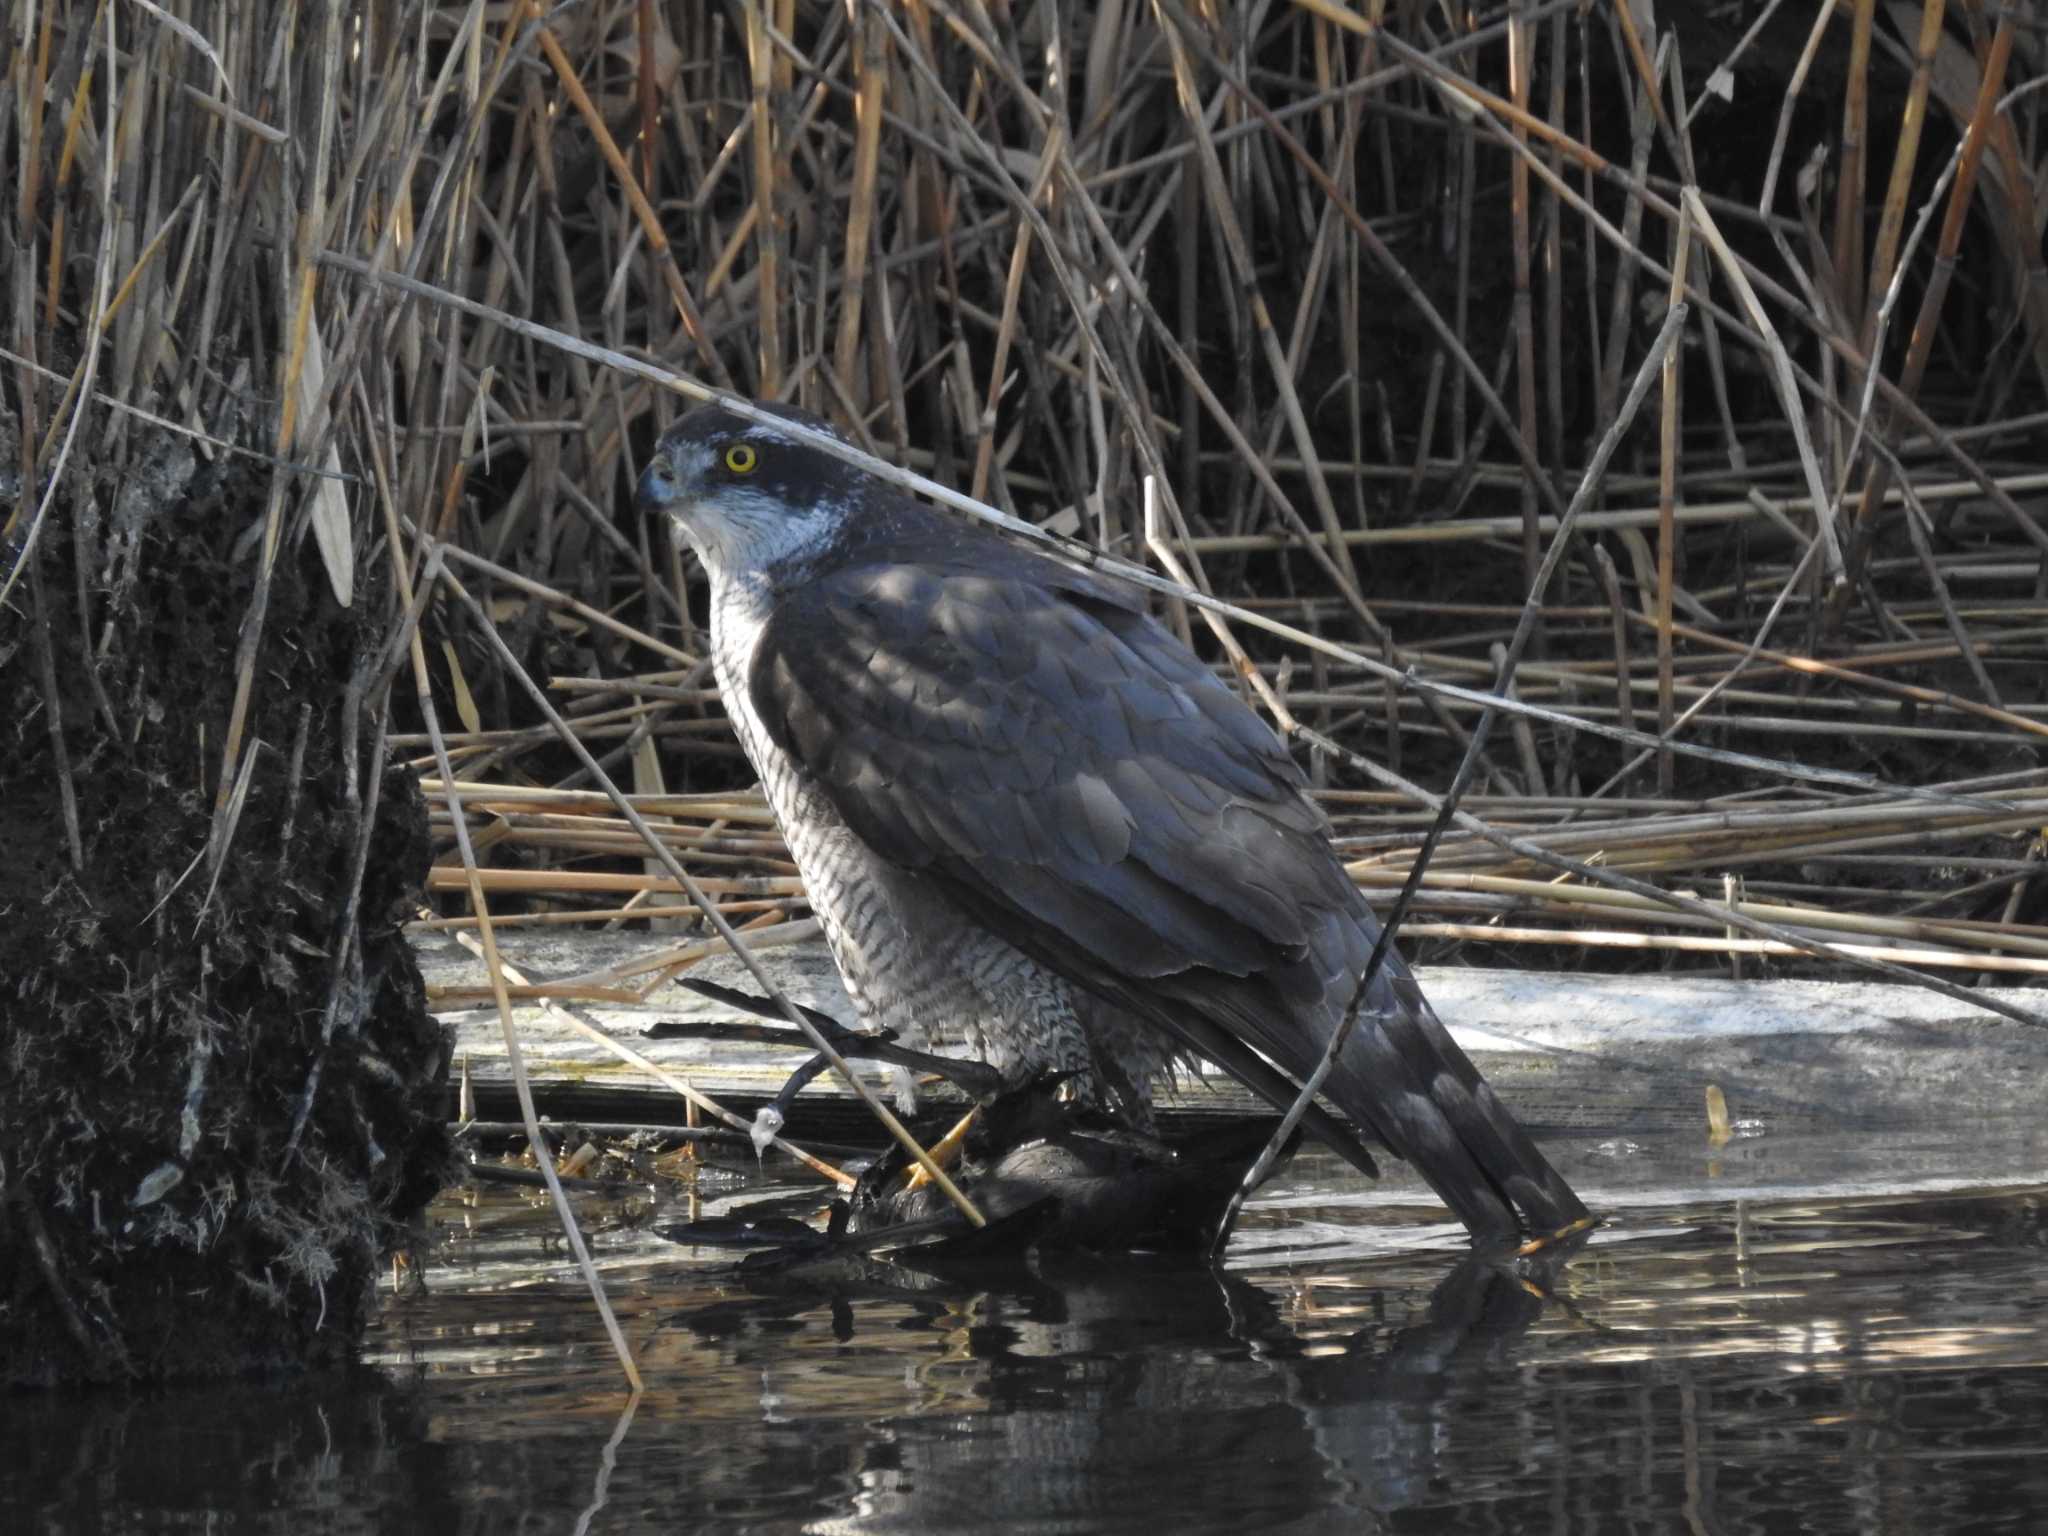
<point>659,489</point>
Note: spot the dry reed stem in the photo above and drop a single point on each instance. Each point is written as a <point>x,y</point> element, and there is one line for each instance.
<point>494,968</point>
<point>681,1086</point>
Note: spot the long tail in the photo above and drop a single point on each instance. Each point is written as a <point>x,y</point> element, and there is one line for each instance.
<point>1402,1075</point>
<point>1403,1081</point>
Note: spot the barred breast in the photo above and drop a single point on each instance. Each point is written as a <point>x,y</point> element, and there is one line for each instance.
<point>911,961</point>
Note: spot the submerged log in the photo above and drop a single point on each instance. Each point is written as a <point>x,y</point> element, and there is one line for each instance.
<point>220,1093</point>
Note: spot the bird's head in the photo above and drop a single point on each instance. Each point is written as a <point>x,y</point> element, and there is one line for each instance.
<point>751,497</point>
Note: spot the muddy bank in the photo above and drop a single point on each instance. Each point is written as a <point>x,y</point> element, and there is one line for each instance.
<point>222,1098</point>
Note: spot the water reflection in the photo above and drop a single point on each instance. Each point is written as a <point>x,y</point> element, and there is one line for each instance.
<point>1743,1367</point>
<point>349,1453</point>
<point>1100,1394</point>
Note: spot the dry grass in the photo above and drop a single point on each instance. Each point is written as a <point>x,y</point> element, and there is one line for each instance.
<point>1365,290</point>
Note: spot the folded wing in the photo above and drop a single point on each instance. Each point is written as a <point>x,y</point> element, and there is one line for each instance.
<point>1021,733</point>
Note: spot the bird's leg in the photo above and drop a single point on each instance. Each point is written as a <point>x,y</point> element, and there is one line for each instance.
<point>1129,1102</point>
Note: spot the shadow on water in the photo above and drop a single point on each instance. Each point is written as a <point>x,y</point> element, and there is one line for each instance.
<point>1868,1364</point>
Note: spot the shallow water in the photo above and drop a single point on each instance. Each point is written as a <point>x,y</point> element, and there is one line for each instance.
<point>1787,1334</point>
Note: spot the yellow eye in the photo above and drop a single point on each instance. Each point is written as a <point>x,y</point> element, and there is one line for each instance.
<point>741,459</point>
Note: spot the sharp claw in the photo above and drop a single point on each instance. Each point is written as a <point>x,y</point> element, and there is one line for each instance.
<point>945,1151</point>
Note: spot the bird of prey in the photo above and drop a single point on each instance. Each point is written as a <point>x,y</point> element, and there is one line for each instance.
<point>1026,813</point>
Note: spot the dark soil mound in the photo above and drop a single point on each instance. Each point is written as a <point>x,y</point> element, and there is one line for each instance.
<point>220,1095</point>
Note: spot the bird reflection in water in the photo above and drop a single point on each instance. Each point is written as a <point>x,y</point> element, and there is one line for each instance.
<point>1120,1383</point>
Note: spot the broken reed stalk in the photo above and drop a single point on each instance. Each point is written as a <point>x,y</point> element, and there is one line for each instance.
<point>494,968</point>
<point>696,1098</point>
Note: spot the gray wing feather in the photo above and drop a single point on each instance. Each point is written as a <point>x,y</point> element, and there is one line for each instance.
<point>1024,734</point>
<point>1107,786</point>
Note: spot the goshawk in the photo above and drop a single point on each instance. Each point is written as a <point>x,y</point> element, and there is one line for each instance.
<point>1027,814</point>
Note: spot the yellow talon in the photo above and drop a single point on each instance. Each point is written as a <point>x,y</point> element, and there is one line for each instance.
<point>1538,1244</point>
<point>945,1151</point>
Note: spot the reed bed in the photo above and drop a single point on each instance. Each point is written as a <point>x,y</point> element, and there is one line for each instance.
<point>1361,288</point>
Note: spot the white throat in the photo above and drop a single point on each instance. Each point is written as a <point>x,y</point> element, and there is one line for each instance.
<point>739,532</point>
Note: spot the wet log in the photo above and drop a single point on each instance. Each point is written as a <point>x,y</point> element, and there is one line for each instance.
<point>1594,1056</point>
